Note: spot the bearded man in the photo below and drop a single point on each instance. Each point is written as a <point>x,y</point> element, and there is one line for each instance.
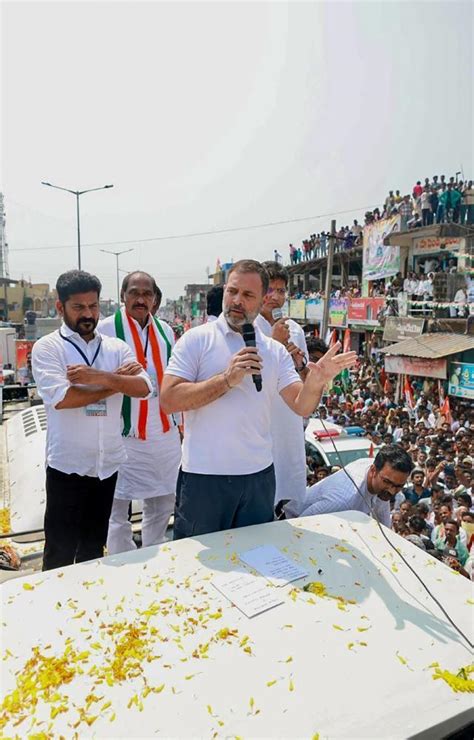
<point>227,478</point>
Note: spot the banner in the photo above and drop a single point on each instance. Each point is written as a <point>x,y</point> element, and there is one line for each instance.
<point>338,312</point>
<point>23,361</point>
<point>297,308</point>
<point>365,310</point>
<point>418,366</point>
<point>380,260</point>
<point>461,380</point>
<point>315,309</point>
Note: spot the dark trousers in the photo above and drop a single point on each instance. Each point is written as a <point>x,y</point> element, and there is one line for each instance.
<point>211,503</point>
<point>77,517</point>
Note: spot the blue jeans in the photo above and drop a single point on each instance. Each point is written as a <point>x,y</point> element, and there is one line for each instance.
<point>440,214</point>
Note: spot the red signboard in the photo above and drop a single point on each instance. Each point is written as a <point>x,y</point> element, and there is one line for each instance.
<point>365,309</point>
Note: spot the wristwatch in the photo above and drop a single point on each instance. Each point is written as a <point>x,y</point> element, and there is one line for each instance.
<point>305,362</point>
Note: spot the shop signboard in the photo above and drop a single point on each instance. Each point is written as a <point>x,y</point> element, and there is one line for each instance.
<point>418,366</point>
<point>297,308</point>
<point>315,309</point>
<point>380,260</point>
<point>365,310</point>
<point>338,312</point>
<point>398,328</point>
<point>461,380</point>
<point>436,244</point>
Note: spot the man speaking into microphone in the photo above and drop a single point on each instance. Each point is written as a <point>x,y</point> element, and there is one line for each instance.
<point>227,478</point>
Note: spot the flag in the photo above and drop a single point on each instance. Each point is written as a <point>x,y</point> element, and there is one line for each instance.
<point>408,392</point>
<point>346,345</point>
<point>446,411</point>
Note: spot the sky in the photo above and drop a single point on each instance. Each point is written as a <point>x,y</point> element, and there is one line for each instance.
<point>210,116</point>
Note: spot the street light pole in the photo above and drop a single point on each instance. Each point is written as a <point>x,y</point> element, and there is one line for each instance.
<point>77,193</point>
<point>117,255</point>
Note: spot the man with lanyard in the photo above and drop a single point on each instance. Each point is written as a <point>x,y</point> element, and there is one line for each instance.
<point>151,437</point>
<point>289,457</point>
<point>81,377</point>
<point>227,478</point>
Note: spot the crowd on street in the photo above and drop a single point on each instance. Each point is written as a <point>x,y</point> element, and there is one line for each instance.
<point>434,509</point>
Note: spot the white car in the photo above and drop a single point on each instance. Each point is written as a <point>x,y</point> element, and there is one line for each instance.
<point>330,444</point>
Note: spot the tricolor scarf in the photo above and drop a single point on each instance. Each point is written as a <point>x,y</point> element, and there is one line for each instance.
<point>135,410</point>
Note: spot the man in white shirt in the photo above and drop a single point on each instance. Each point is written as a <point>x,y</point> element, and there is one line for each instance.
<point>289,457</point>
<point>151,437</point>
<point>81,377</point>
<point>364,485</point>
<point>227,477</point>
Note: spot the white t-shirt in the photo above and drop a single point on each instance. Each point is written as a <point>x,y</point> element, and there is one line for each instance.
<point>231,435</point>
<point>85,440</point>
<point>337,492</point>
<point>289,455</point>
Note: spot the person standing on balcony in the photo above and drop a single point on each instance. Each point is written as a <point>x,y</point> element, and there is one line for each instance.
<point>405,210</point>
<point>151,437</point>
<point>425,202</point>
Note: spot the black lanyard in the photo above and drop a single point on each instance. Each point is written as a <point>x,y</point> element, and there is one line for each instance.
<point>145,349</point>
<point>83,355</point>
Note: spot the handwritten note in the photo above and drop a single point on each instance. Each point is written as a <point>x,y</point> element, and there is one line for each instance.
<point>249,593</point>
<point>273,565</point>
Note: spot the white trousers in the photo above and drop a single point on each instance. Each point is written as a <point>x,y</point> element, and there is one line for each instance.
<point>156,515</point>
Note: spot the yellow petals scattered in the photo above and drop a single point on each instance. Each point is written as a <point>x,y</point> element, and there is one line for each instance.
<point>28,587</point>
<point>341,548</point>
<point>362,629</point>
<point>459,682</point>
<point>291,686</point>
<point>317,588</point>
<point>271,683</point>
<point>402,660</point>
<point>337,627</point>
<point>350,645</point>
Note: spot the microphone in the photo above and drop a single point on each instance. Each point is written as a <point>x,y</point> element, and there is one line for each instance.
<point>249,338</point>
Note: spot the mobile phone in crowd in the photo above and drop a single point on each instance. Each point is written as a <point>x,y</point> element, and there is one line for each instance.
<point>277,313</point>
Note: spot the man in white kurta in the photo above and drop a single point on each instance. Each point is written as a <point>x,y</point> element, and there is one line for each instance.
<point>152,441</point>
<point>289,457</point>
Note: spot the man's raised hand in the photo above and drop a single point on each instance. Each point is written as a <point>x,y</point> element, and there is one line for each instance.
<point>331,364</point>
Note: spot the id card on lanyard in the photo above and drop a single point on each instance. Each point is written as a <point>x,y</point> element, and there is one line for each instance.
<point>98,408</point>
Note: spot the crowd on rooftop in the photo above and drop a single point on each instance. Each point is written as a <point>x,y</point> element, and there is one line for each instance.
<point>434,201</point>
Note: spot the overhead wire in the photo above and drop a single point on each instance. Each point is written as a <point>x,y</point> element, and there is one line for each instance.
<point>193,234</point>
<point>400,555</point>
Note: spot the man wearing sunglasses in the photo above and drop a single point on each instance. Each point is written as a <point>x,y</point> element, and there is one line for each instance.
<point>366,485</point>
